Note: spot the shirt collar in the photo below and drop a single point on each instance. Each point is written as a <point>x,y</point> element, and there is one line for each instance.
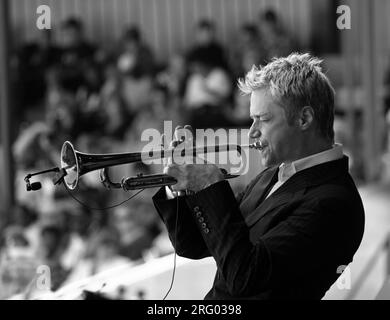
<point>288,169</point>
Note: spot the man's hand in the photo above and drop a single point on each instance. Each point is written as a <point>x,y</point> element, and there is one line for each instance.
<point>191,176</point>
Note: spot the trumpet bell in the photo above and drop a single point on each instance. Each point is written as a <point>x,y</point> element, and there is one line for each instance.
<point>70,164</point>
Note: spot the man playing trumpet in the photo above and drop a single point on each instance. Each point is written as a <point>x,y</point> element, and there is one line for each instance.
<point>299,220</point>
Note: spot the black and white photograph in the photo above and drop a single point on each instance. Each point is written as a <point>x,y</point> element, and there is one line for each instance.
<point>203,152</point>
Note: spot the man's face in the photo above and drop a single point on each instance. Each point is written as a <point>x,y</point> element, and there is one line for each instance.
<point>270,126</point>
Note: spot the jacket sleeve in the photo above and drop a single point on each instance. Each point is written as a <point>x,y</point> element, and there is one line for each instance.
<point>189,242</point>
<point>187,239</point>
<point>296,246</point>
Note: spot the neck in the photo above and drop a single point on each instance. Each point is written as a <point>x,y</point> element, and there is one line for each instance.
<point>310,147</point>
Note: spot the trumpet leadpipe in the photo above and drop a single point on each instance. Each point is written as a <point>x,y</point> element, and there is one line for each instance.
<point>182,152</point>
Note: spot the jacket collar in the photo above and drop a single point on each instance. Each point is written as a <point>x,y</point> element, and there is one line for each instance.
<point>288,169</point>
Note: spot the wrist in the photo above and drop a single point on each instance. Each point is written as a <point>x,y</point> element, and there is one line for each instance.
<point>217,176</point>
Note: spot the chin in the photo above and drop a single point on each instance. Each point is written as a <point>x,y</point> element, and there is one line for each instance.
<point>268,162</point>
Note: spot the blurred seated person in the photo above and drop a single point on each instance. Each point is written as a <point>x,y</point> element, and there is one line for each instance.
<point>79,219</point>
<point>15,240</point>
<point>39,144</point>
<point>23,216</point>
<point>137,228</point>
<point>162,108</point>
<point>102,255</point>
<point>33,60</point>
<point>173,77</point>
<point>248,50</point>
<point>136,65</point>
<point>161,245</point>
<point>136,58</point>
<point>53,236</point>
<point>117,117</point>
<point>23,219</point>
<point>29,148</point>
<point>18,264</point>
<point>21,256</point>
<point>77,65</point>
<point>206,46</point>
<point>76,221</point>
<point>50,251</point>
<point>276,40</point>
<point>38,147</point>
<point>208,93</point>
<point>72,113</point>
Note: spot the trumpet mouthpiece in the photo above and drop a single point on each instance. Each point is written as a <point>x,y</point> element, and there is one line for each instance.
<point>256,145</point>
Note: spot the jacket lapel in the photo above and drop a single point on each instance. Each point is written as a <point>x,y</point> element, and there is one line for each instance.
<point>273,201</point>
<point>255,195</point>
<point>295,187</point>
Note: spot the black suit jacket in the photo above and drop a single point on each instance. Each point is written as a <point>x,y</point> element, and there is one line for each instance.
<point>291,245</point>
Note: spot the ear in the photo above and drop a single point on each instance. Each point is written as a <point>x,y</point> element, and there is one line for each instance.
<point>306,117</point>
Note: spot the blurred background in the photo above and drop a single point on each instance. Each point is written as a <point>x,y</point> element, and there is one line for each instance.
<point>107,70</point>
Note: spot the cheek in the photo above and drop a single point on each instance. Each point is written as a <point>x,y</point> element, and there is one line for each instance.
<point>273,135</point>
<point>278,139</point>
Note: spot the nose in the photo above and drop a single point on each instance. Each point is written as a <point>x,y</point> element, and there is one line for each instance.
<point>254,131</point>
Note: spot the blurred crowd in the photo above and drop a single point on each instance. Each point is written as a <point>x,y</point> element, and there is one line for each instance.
<point>101,100</point>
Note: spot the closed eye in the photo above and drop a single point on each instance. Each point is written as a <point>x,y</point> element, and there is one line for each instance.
<point>262,117</point>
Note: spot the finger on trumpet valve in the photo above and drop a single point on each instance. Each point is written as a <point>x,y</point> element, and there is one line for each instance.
<point>189,134</point>
<point>178,135</point>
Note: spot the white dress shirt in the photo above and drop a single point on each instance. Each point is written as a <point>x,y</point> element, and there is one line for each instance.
<point>287,170</point>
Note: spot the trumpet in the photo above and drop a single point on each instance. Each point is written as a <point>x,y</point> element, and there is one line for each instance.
<point>74,164</point>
